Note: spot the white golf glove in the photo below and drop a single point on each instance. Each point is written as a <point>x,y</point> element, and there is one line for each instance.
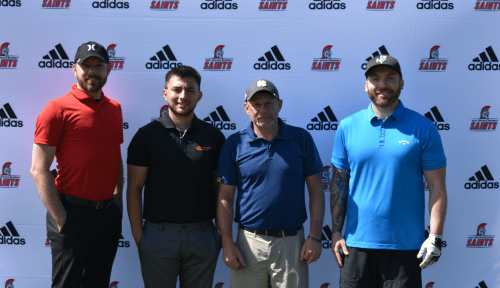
<point>432,245</point>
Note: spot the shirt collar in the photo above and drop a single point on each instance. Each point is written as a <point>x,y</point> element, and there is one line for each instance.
<point>80,95</point>
<point>166,121</point>
<point>396,114</point>
<point>283,133</point>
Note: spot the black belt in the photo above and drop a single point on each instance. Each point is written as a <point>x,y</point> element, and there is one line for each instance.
<point>273,233</point>
<point>98,205</point>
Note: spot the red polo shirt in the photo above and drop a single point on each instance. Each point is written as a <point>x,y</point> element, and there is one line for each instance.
<point>87,135</point>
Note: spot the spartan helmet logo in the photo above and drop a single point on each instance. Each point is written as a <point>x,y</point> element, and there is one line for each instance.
<point>430,285</point>
<point>325,285</point>
<point>220,284</point>
<point>163,110</point>
<point>111,51</point>
<point>218,54</point>
<point>481,230</point>
<point>485,113</point>
<point>327,53</point>
<point>325,175</point>
<point>9,283</point>
<point>113,284</point>
<point>6,169</point>
<point>434,53</point>
<point>4,50</point>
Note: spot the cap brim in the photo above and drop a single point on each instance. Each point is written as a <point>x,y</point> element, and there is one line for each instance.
<point>81,60</point>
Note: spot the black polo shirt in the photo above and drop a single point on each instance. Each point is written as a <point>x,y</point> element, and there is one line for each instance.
<point>179,185</point>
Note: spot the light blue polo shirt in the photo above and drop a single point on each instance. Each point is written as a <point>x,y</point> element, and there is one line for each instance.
<point>386,201</point>
<point>270,176</point>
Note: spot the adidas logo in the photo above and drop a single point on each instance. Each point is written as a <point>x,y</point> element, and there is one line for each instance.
<point>326,4</point>
<point>110,4</point>
<point>219,4</point>
<point>381,49</point>
<point>122,243</point>
<point>271,59</point>
<point>436,117</point>
<point>218,119</point>
<point>11,3</point>
<point>164,5</point>
<point>164,59</point>
<point>326,237</point>
<point>485,62</point>
<point>433,4</point>
<point>56,4</point>
<point>5,118</point>
<point>325,122</point>
<point>57,59</point>
<point>479,177</point>
<point>10,236</point>
<point>482,285</point>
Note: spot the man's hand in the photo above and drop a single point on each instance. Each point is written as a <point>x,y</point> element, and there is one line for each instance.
<point>311,250</point>
<point>232,256</point>
<point>61,220</point>
<point>338,243</point>
<point>432,246</point>
<point>137,234</point>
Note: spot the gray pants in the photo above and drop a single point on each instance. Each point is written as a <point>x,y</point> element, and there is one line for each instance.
<point>188,251</point>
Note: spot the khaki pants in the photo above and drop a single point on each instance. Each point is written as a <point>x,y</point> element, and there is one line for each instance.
<point>274,260</point>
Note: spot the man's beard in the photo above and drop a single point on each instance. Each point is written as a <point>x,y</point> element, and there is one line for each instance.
<point>96,86</point>
<point>394,97</point>
<point>182,113</point>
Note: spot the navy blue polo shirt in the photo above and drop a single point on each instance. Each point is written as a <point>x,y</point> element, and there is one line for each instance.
<point>386,203</point>
<point>270,176</point>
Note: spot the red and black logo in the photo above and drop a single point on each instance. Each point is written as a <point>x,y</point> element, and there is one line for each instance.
<point>10,236</point>
<point>219,5</point>
<point>219,119</point>
<point>115,62</point>
<point>48,243</point>
<point>485,62</point>
<point>9,283</point>
<point>480,180</point>
<point>8,118</point>
<point>56,58</point>
<point>435,116</point>
<point>164,5</point>
<point>430,285</point>
<point>326,120</point>
<point>273,5</point>
<point>380,5</point>
<point>325,285</point>
<point>11,3</point>
<point>381,51</point>
<point>7,61</point>
<point>326,5</point>
<point>56,4</point>
<point>484,123</point>
<point>435,4</point>
<point>326,62</point>
<point>272,60</point>
<point>219,285</point>
<point>110,4</point>
<point>326,178</point>
<point>218,62</point>
<point>433,63</point>
<point>480,240</point>
<point>164,59</point>
<point>487,5</point>
<point>8,180</point>
<point>163,111</point>
<point>113,284</point>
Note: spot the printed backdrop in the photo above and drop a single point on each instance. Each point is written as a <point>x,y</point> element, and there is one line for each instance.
<point>315,51</point>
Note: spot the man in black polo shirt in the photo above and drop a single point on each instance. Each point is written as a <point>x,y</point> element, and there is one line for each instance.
<point>175,158</point>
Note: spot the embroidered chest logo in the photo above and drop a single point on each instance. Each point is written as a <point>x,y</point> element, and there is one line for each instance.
<point>199,148</point>
<point>404,142</point>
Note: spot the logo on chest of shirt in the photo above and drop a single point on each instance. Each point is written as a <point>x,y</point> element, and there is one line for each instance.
<point>480,240</point>
<point>484,123</point>
<point>435,116</point>
<point>219,119</point>
<point>200,148</point>
<point>482,179</point>
<point>326,120</point>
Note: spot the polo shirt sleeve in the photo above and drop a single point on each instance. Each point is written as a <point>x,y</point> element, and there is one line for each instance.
<point>49,125</point>
<point>138,149</point>
<point>313,164</point>
<point>432,150</point>
<point>339,154</point>
<point>227,172</point>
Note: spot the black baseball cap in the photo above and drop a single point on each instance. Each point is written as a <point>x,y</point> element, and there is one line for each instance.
<point>261,85</point>
<point>383,60</point>
<point>90,49</point>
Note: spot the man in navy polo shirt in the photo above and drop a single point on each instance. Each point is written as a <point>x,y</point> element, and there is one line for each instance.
<point>269,162</point>
<point>379,158</point>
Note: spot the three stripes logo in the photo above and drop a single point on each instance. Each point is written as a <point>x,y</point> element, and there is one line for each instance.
<point>272,60</point>
<point>7,180</point>
<point>326,237</point>
<point>218,62</point>
<point>482,285</point>
<point>164,59</point>
<point>219,119</point>
<point>381,51</point>
<point>56,58</point>
<point>219,5</point>
<point>487,5</point>
<point>480,240</point>
<point>326,62</point>
<point>10,236</point>
<point>326,120</point>
<point>380,5</point>
<point>273,5</point>
<point>486,61</point>
<point>7,61</point>
<point>435,4</point>
<point>326,5</point>
<point>7,115</point>
<point>480,180</point>
<point>484,123</point>
<point>56,4</point>
<point>435,116</point>
<point>164,5</point>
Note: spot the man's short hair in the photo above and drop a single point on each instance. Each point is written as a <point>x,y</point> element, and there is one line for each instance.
<point>183,71</point>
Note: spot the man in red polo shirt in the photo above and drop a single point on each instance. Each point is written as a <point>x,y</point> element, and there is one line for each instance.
<point>83,130</point>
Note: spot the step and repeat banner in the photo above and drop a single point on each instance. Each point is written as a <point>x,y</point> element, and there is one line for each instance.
<point>315,51</point>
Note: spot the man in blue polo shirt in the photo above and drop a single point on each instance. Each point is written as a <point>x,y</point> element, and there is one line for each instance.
<point>379,157</point>
<point>269,162</point>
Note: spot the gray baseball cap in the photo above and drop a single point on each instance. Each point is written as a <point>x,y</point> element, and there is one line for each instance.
<point>261,85</point>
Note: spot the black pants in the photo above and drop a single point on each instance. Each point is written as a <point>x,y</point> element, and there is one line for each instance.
<point>84,251</point>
